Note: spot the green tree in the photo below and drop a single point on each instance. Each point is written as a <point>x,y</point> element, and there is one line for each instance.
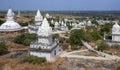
<point>105,29</point>
<point>76,36</point>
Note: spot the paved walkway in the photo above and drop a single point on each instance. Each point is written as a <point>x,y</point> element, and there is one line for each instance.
<point>113,57</point>
<point>71,55</point>
<point>103,56</point>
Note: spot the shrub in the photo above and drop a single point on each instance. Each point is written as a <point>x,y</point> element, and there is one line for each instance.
<point>23,24</point>
<point>102,46</point>
<point>3,48</point>
<point>96,36</point>
<point>34,59</point>
<point>1,22</point>
<point>118,68</point>
<point>74,47</point>
<point>116,46</point>
<point>25,39</point>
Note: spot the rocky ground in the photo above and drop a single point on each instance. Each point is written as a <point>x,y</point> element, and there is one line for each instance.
<point>84,64</point>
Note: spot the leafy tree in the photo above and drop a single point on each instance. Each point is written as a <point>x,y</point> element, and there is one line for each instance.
<point>3,48</point>
<point>105,29</point>
<point>76,36</point>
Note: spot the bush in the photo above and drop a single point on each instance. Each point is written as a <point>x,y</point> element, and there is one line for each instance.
<point>96,36</point>
<point>25,39</point>
<point>1,22</point>
<point>118,68</point>
<point>102,46</point>
<point>23,24</point>
<point>3,48</point>
<point>34,59</point>
<point>74,47</point>
<point>116,46</point>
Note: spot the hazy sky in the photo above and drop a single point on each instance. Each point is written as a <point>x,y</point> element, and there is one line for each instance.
<point>60,4</point>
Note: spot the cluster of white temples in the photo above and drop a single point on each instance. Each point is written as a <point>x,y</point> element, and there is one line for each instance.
<point>46,46</point>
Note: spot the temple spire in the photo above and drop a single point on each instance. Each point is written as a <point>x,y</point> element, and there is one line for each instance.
<point>38,16</point>
<point>10,14</point>
<point>45,23</point>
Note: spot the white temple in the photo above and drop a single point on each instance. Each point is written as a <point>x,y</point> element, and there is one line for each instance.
<point>47,15</point>
<point>116,32</point>
<point>33,28</point>
<point>10,24</point>
<point>115,35</point>
<point>89,23</point>
<point>64,26</point>
<point>52,22</point>
<point>57,26</point>
<point>45,45</point>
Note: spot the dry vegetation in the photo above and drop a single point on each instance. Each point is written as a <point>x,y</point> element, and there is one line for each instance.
<point>14,64</point>
<point>7,35</point>
<point>13,46</point>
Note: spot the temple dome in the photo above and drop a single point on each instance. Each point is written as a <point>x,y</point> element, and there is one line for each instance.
<point>10,24</point>
<point>44,29</point>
